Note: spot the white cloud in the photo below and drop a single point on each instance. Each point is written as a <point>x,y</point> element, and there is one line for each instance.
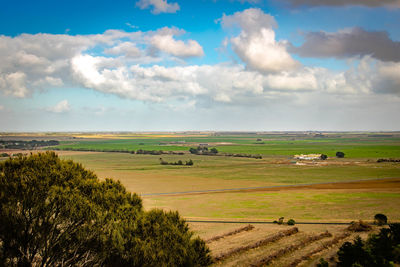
<point>14,84</point>
<point>163,41</point>
<point>159,6</point>
<point>60,107</point>
<point>256,45</point>
<point>38,61</point>
<point>127,49</point>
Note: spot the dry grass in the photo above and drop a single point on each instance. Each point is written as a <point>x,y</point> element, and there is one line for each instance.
<point>279,253</point>
<point>236,231</point>
<point>259,243</point>
<point>324,246</point>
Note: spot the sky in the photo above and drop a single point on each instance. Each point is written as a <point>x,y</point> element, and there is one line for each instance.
<point>208,65</point>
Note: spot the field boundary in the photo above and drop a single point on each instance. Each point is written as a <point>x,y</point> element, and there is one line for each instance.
<point>266,222</point>
<point>208,191</point>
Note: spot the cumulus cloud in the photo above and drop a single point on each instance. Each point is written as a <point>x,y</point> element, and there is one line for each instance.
<point>164,41</point>
<point>349,43</point>
<point>60,107</point>
<point>256,45</point>
<point>369,3</point>
<point>232,83</point>
<point>29,62</point>
<point>127,49</point>
<point>38,61</point>
<point>159,6</point>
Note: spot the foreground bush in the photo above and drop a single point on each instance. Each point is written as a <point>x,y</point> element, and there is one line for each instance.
<point>378,250</point>
<point>380,219</point>
<point>54,212</point>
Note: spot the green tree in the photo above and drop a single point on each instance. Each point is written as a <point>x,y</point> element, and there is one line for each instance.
<point>54,212</point>
<point>380,219</point>
<point>340,154</point>
<point>214,150</point>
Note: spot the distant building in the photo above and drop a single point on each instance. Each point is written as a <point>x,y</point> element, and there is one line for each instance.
<point>308,156</point>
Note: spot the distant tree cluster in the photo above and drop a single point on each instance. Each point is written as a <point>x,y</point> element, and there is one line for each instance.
<point>55,213</point>
<point>388,160</point>
<point>203,150</point>
<point>243,155</point>
<point>149,152</point>
<point>19,144</point>
<point>179,162</point>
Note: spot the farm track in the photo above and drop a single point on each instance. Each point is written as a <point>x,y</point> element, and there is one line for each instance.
<point>393,182</point>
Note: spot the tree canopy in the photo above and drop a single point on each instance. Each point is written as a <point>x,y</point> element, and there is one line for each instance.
<point>54,212</point>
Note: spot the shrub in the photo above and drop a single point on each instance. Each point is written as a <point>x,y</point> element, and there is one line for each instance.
<point>214,150</point>
<point>339,154</point>
<point>378,250</point>
<point>54,212</point>
<point>380,219</point>
<point>193,150</point>
<point>280,221</point>
<point>322,263</point>
<point>189,163</point>
<point>291,222</point>
<point>359,226</point>
<point>324,157</point>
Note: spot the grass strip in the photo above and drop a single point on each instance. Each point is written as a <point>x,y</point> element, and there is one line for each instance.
<point>259,243</point>
<point>281,252</point>
<point>234,232</point>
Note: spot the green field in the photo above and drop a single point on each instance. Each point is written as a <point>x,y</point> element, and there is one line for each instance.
<point>353,145</point>
<point>145,175</point>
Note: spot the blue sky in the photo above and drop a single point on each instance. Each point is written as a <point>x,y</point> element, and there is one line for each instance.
<point>173,65</point>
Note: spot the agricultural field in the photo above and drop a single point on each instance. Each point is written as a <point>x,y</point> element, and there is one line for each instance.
<point>239,190</point>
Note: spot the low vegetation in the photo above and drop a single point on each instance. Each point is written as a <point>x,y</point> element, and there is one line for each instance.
<point>324,246</point>
<point>55,213</point>
<point>380,219</point>
<point>378,250</point>
<point>179,162</point>
<point>359,226</point>
<point>279,253</point>
<point>262,242</point>
<point>32,144</point>
<point>234,232</point>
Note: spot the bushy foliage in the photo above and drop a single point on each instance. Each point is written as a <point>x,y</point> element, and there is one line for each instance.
<point>322,263</point>
<point>179,162</point>
<point>214,150</point>
<point>380,219</point>
<point>378,250</point>
<point>54,212</point>
<point>291,222</point>
<point>339,154</point>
